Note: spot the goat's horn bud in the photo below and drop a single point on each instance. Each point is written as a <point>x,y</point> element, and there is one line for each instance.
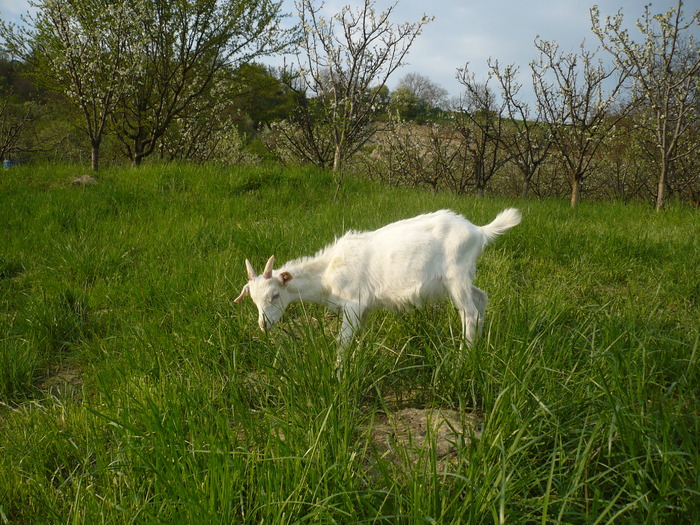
<point>268,268</point>
<point>251,273</point>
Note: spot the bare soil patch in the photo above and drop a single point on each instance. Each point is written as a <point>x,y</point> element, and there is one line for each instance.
<point>407,435</point>
<point>64,382</point>
<point>83,180</point>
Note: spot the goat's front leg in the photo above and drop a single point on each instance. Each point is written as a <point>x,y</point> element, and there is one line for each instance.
<point>352,319</point>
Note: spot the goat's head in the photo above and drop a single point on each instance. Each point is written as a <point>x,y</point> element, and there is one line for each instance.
<point>269,293</point>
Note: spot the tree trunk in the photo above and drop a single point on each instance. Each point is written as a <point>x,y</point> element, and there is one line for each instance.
<point>137,160</point>
<point>479,178</point>
<point>336,159</point>
<point>95,156</point>
<point>575,191</point>
<point>138,153</point>
<point>337,172</point>
<point>661,191</point>
<point>526,189</point>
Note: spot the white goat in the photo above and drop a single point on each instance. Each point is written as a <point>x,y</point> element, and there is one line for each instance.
<point>405,264</point>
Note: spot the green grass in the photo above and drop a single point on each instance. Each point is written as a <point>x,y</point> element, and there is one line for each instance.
<point>134,390</point>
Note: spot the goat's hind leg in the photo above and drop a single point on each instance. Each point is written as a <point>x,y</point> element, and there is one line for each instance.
<point>481,300</point>
<point>469,302</point>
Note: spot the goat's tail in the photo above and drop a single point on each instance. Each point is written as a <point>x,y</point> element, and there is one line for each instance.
<point>505,220</point>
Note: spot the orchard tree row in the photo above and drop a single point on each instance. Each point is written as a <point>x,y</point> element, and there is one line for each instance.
<point>105,79</point>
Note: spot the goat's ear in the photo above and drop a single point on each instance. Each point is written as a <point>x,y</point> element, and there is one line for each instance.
<point>244,292</point>
<point>285,277</point>
<point>268,268</point>
<point>251,273</point>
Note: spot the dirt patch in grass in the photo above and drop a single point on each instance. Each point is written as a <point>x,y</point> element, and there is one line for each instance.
<point>83,180</point>
<point>405,436</point>
<point>63,382</point>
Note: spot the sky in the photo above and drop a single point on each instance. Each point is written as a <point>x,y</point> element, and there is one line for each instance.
<point>472,31</point>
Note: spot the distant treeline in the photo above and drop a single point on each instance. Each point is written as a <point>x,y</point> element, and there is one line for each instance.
<point>131,85</point>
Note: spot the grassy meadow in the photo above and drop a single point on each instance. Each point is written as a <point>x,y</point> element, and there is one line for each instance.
<point>133,389</point>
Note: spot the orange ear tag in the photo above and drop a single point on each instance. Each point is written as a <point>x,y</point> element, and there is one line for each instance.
<point>286,277</point>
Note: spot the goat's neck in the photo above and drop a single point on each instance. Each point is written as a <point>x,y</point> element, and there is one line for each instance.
<point>307,279</point>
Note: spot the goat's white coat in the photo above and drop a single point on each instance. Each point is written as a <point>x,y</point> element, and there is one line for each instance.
<point>405,264</point>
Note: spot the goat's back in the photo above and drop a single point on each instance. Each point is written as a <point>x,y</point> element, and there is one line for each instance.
<point>439,230</point>
<point>406,262</point>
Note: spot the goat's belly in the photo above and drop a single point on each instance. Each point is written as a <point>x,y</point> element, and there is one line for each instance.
<point>415,296</point>
<point>430,292</point>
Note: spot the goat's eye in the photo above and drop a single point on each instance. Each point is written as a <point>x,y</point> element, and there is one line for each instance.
<point>275,296</point>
